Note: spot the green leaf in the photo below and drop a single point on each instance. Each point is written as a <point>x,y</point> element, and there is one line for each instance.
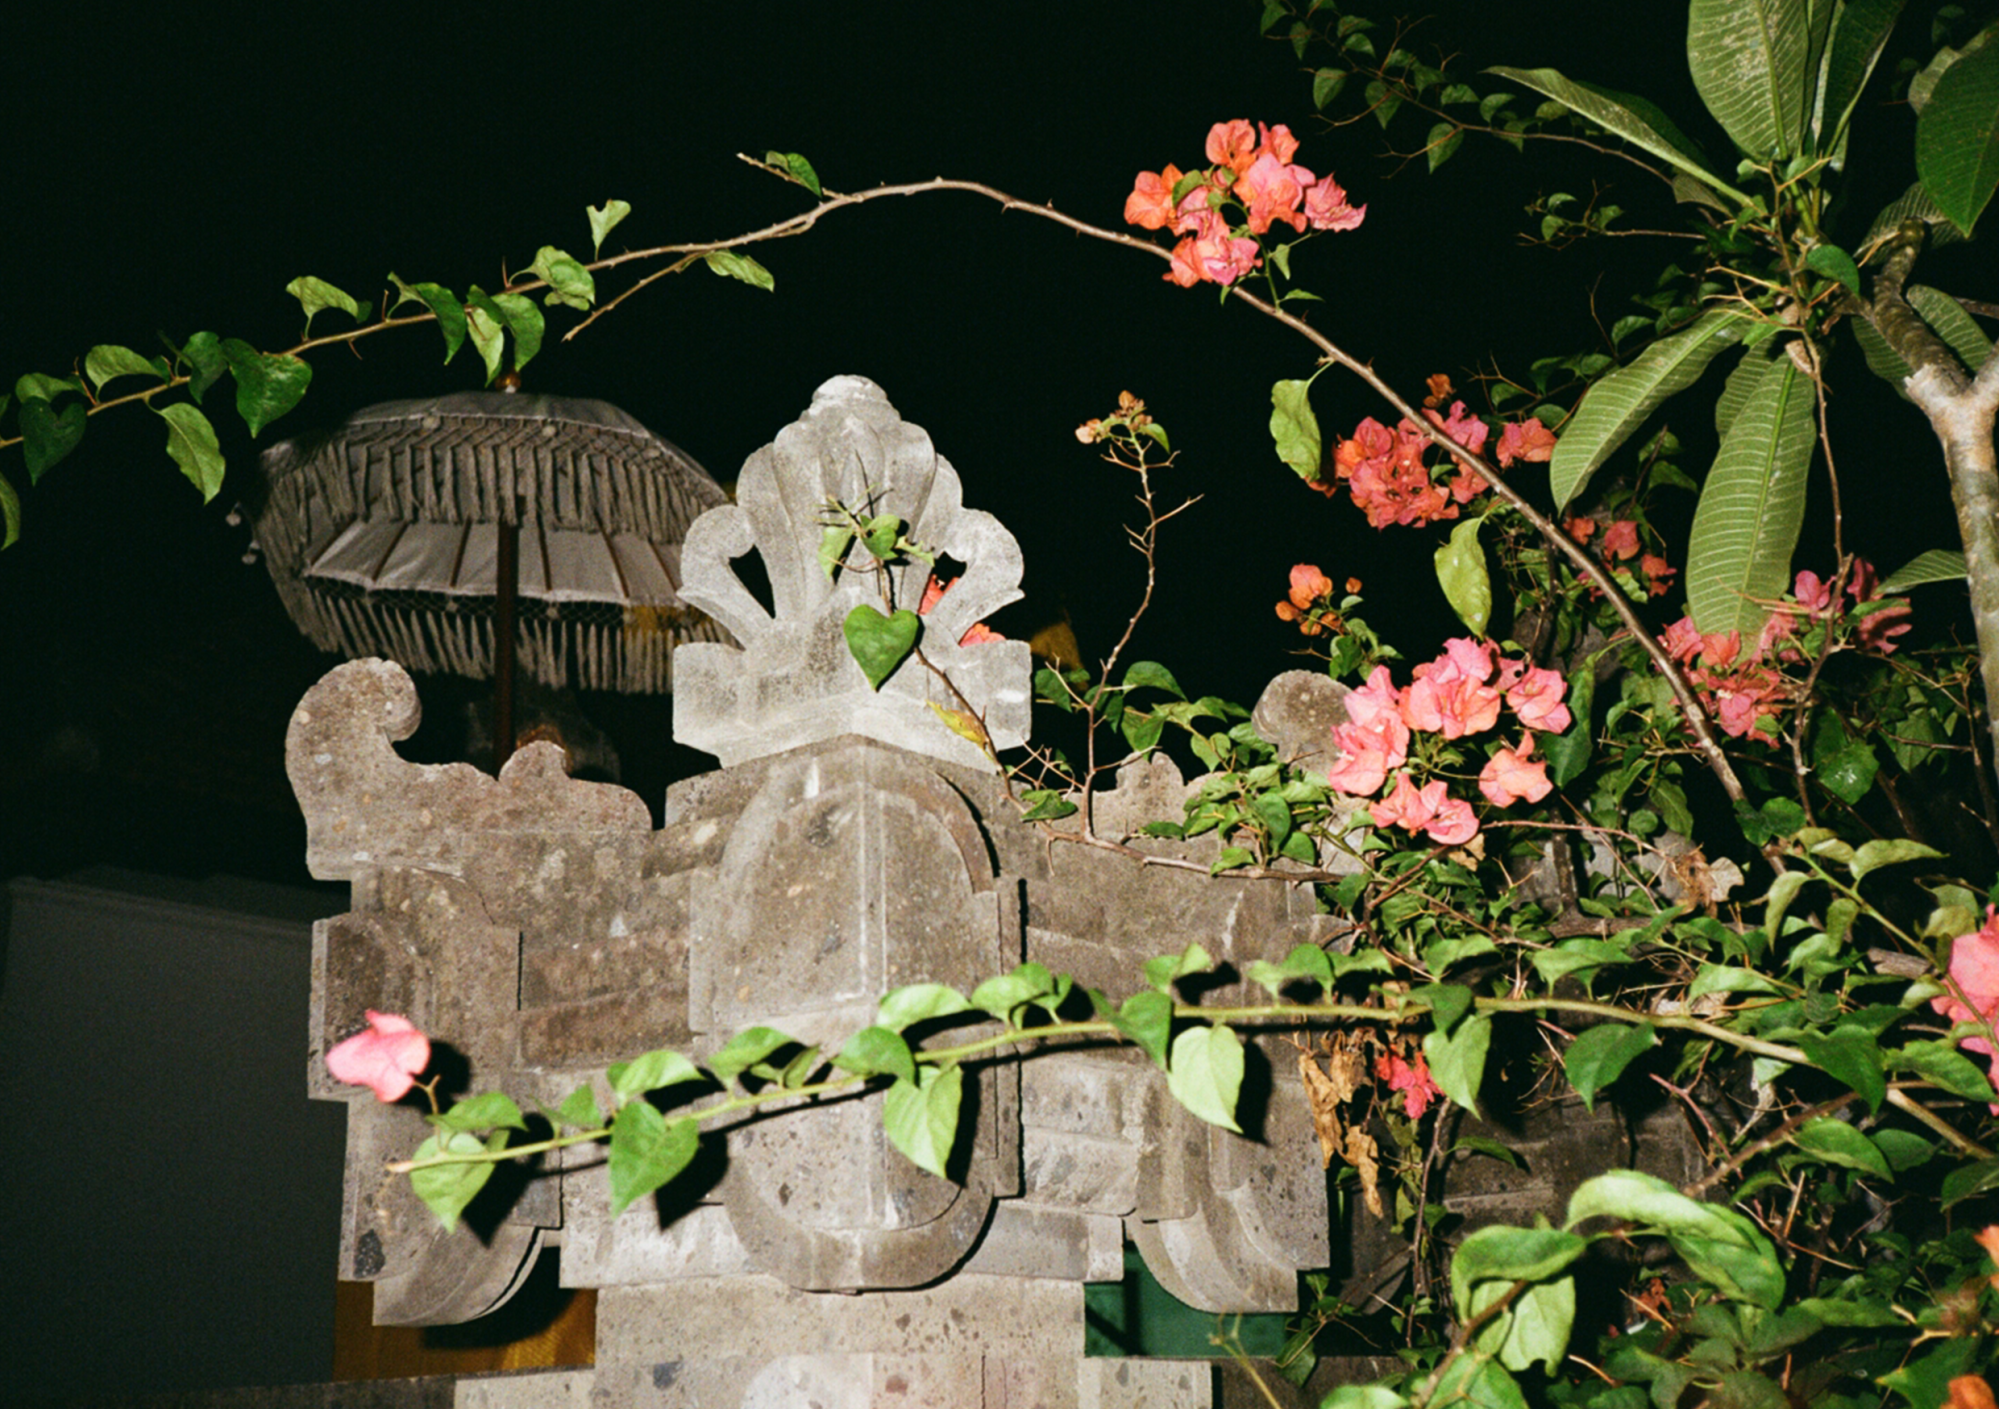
<point>525,322</point>
<point>1510,1255</point>
<point>39,386</point>
<point>1845,766</point>
<point>1957,133</point>
<point>1860,30</point>
<point>1145,673</point>
<point>1457,1060</point>
<point>603,220</point>
<point>1448,1002</point>
<point>10,513</point>
<point>1836,264</point>
<point>569,283</point>
<point>1147,1019</point>
<point>267,384</point>
<point>486,324</point>
<point>48,435</point>
<point>104,362</point>
<point>1616,112</point>
<point>731,265</point>
<point>579,1109</point>
<point>447,1188</point>
<point>1968,1181</point>
<point>316,294</point>
<point>1600,1054</point>
<point>1461,572</point>
<point>1718,1244</point>
<point>876,1051</point>
<point>1205,1073</point>
<point>1836,1142</point>
<point>487,1111</point>
<point>1952,324</point>
<point>1476,1381</point>
<point>1005,994</point>
<point>920,1117</point>
<point>444,306</point>
<point>919,1002</point>
<point>1889,851</point>
<point>1045,805</point>
<point>1944,1065</point>
<point>1295,429</point>
<point>1749,63</point>
<point>1443,142</point>
<point>1619,403</point>
<point>745,1050</point>
<point>650,1071</point>
<point>799,169</point>
<point>1751,509</point>
<point>880,644</point>
<point>1937,565</point>
<point>1163,970</point>
<point>1569,753</point>
<point>647,1150</point>
<point>192,445</point>
<point>1305,961</point>
<point>206,362</point>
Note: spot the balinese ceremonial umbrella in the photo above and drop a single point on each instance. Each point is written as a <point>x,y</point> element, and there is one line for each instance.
<point>464,533</point>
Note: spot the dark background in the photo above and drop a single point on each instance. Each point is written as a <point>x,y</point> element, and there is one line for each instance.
<point>172,171</point>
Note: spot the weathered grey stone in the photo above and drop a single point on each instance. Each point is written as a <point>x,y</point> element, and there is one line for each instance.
<point>1296,715</point>
<point>793,680</point>
<point>535,1389</point>
<point>1024,1240</point>
<point>1019,1317</point>
<point>1135,1383</point>
<point>634,1249</point>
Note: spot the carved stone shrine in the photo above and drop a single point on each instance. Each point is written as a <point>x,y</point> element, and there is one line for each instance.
<point>539,927</point>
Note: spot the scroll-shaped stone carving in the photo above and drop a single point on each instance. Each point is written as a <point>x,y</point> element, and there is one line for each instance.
<point>792,681</point>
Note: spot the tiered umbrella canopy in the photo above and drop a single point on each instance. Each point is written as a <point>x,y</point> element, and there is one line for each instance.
<point>392,535</point>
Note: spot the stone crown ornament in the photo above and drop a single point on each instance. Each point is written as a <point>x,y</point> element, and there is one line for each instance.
<point>792,681</point>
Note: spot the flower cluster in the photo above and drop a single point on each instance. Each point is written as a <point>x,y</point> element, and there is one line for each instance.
<point>1742,693</point>
<point>1310,602</point>
<point>1458,694</point>
<point>1974,986</point>
<point>1392,482</point>
<point>1412,1079</point>
<point>1874,631</point>
<point>1620,545</point>
<point>1251,167</point>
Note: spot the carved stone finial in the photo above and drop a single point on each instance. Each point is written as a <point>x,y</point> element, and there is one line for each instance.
<point>792,682</point>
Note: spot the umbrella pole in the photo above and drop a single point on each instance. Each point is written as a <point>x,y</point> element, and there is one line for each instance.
<point>503,637</point>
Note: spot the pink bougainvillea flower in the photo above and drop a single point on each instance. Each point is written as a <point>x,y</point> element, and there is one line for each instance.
<point>1813,594</point>
<point>385,1057</point>
<point>1537,698</point>
<point>1974,978</point>
<point>1580,528</point>
<point>1412,1079</point>
<point>1877,630</point>
<point>1271,191</point>
<point>1326,207</point>
<point>1430,809</point>
<point>1656,570</point>
<point>1277,141</point>
<point>1512,774</point>
<point>1372,741</point>
<point>1620,540</point>
<point>1532,441</point>
<point>1449,695</point>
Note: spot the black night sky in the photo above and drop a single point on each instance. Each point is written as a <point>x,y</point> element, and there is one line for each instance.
<point>171,170</point>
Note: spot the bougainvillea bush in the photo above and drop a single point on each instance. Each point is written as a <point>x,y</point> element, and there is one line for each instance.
<point>1710,818</point>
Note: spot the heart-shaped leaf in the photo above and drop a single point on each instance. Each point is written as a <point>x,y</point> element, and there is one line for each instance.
<point>880,643</point>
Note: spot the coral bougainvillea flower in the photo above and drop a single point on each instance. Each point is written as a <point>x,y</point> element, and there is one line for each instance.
<point>1411,1079</point>
<point>385,1057</point>
<point>1449,695</point>
<point>1620,540</point>
<point>1970,1392</point>
<point>1535,694</point>
<point>1530,440</point>
<point>1150,204</point>
<point>1309,588</point>
<point>1430,809</point>
<point>1512,774</point>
